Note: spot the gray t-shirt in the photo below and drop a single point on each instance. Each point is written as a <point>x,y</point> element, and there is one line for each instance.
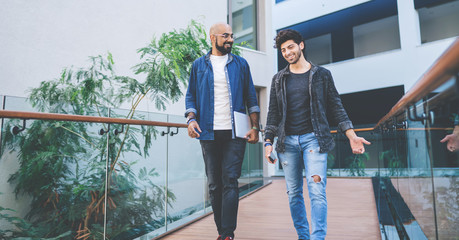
<point>298,105</point>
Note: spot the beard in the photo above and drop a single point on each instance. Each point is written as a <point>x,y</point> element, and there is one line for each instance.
<point>222,48</point>
<point>296,57</point>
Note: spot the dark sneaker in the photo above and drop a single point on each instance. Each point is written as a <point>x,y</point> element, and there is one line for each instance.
<point>219,237</point>
<point>229,238</point>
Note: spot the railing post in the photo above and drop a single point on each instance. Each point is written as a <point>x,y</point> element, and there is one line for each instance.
<point>166,175</point>
<point>106,176</point>
<point>423,118</point>
<point>457,82</point>
<point>1,124</point>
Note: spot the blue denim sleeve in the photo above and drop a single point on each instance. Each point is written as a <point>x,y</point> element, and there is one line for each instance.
<point>252,102</point>
<point>190,98</point>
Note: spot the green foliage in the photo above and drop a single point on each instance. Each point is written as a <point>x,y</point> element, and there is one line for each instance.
<point>330,164</point>
<point>63,164</point>
<point>7,216</point>
<point>167,62</point>
<point>357,164</point>
<point>395,165</point>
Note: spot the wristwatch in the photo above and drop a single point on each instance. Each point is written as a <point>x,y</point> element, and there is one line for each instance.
<point>189,118</point>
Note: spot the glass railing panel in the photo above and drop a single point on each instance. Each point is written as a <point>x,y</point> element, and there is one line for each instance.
<point>136,201</point>
<point>244,180</point>
<point>407,164</point>
<point>143,165</point>
<point>252,169</point>
<point>186,176</point>
<point>17,104</point>
<point>333,160</point>
<point>342,162</point>
<point>256,165</point>
<point>443,135</point>
<point>376,181</point>
<point>57,169</point>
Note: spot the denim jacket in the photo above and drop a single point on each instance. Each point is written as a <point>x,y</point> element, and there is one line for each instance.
<point>199,97</point>
<point>325,102</point>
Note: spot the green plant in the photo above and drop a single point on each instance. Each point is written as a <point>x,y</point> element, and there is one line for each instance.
<point>330,163</point>
<point>394,163</point>
<point>357,164</point>
<point>62,164</point>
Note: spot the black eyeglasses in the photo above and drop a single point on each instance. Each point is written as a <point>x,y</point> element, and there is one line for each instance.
<point>226,35</point>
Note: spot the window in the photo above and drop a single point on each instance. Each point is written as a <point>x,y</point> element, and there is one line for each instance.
<point>438,21</point>
<point>318,49</point>
<point>243,19</point>
<point>377,36</point>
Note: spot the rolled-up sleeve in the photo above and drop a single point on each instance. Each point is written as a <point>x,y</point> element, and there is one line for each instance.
<point>252,102</point>
<point>190,98</point>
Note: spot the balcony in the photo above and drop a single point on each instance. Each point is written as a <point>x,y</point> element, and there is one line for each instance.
<point>115,175</point>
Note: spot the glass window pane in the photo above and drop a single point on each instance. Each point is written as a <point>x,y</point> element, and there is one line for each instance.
<point>377,36</point>
<point>318,49</point>
<point>244,21</point>
<point>439,22</point>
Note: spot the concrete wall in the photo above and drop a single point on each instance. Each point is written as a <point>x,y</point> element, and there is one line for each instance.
<point>291,12</point>
<point>40,38</point>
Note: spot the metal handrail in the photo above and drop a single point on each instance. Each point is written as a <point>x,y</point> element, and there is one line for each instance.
<point>446,66</point>
<point>81,118</point>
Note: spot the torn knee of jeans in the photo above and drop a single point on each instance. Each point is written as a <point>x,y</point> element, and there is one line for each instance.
<point>316,178</point>
<point>284,163</point>
<point>230,183</point>
<point>213,187</point>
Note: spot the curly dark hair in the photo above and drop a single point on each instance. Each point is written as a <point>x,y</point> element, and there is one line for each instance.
<point>285,35</point>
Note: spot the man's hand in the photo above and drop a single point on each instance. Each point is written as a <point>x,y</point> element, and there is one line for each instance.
<point>356,142</point>
<point>357,145</point>
<point>192,127</point>
<point>252,136</point>
<point>452,140</point>
<point>268,151</point>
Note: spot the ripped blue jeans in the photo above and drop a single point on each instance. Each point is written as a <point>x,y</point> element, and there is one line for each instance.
<point>303,150</point>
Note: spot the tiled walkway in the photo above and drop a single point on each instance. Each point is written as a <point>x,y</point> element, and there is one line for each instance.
<point>265,214</point>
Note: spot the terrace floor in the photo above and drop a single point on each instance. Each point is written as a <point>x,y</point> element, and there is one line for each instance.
<point>265,214</point>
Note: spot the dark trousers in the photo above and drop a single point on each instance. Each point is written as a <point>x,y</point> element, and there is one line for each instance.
<point>223,158</point>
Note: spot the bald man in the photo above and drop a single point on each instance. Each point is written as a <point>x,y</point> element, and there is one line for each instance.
<point>221,84</point>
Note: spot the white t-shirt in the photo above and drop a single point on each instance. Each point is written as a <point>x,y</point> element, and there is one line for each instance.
<point>222,112</point>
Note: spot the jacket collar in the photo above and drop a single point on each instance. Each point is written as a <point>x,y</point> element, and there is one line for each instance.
<point>207,57</point>
<point>286,70</point>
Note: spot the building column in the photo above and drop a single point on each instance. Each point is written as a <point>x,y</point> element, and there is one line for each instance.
<point>408,20</point>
